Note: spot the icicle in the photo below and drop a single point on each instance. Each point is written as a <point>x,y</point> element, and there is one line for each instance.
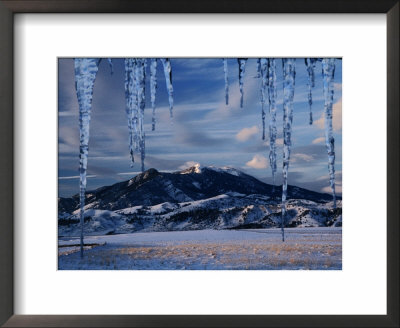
<point>225,60</point>
<point>310,64</point>
<point>289,74</point>
<point>111,65</point>
<point>85,74</point>
<point>153,90</point>
<point>242,67</point>
<point>328,70</point>
<point>272,116</point>
<point>168,80</point>
<point>140,72</point>
<point>264,86</point>
<point>258,68</point>
<point>131,104</point>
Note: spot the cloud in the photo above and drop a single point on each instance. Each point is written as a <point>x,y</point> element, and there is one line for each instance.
<point>188,165</point>
<point>318,140</point>
<point>337,117</point>
<point>302,157</point>
<point>317,151</point>
<point>246,133</point>
<point>258,162</point>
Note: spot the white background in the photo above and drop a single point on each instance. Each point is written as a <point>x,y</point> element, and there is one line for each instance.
<point>360,288</point>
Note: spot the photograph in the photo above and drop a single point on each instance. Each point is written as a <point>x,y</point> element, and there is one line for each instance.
<point>199,163</point>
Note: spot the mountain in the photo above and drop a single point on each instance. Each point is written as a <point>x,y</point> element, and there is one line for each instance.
<point>195,198</point>
<point>196,183</point>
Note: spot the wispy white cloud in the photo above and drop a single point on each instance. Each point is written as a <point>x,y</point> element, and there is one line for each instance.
<point>319,140</point>
<point>246,133</point>
<point>302,157</point>
<point>258,162</point>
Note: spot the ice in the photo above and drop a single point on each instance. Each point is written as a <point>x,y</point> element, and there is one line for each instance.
<point>153,90</point>
<point>328,71</point>
<point>225,60</point>
<point>310,64</point>
<point>141,97</point>
<point>242,67</point>
<point>272,94</point>
<point>85,74</point>
<point>289,74</point>
<point>168,80</point>
<point>264,90</point>
<point>131,104</point>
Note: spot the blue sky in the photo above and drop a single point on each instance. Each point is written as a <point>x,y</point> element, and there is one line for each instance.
<point>204,129</point>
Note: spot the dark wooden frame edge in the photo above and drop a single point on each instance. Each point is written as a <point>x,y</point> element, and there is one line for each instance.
<point>10,7</point>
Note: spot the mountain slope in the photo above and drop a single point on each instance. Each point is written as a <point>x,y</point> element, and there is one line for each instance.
<point>152,187</point>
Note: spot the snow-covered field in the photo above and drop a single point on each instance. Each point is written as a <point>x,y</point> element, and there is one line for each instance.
<point>259,249</point>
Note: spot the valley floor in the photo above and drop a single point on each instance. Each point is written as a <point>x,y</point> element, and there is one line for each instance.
<point>258,249</point>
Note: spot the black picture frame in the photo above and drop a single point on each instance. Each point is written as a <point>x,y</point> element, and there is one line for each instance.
<point>10,7</point>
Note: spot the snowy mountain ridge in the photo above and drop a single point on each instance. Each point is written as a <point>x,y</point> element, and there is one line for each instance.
<point>192,199</point>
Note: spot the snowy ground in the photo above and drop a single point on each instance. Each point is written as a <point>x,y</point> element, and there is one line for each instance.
<point>261,249</point>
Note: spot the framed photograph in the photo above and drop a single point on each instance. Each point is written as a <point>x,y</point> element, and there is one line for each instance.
<point>206,164</point>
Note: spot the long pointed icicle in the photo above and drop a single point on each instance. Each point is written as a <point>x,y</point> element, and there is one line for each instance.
<point>153,90</point>
<point>242,67</point>
<point>85,74</point>
<point>168,80</point>
<point>264,91</point>
<point>131,104</point>
<point>289,74</point>
<point>225,60</point>
<point>310,64</point>
<point>141,97</point>
<point>328,71</point>
<point>272,95</point>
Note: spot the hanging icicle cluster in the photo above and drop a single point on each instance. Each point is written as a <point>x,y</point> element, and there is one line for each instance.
<point>135,96</point>
<point>135,81</point>
<point>266,70</point>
